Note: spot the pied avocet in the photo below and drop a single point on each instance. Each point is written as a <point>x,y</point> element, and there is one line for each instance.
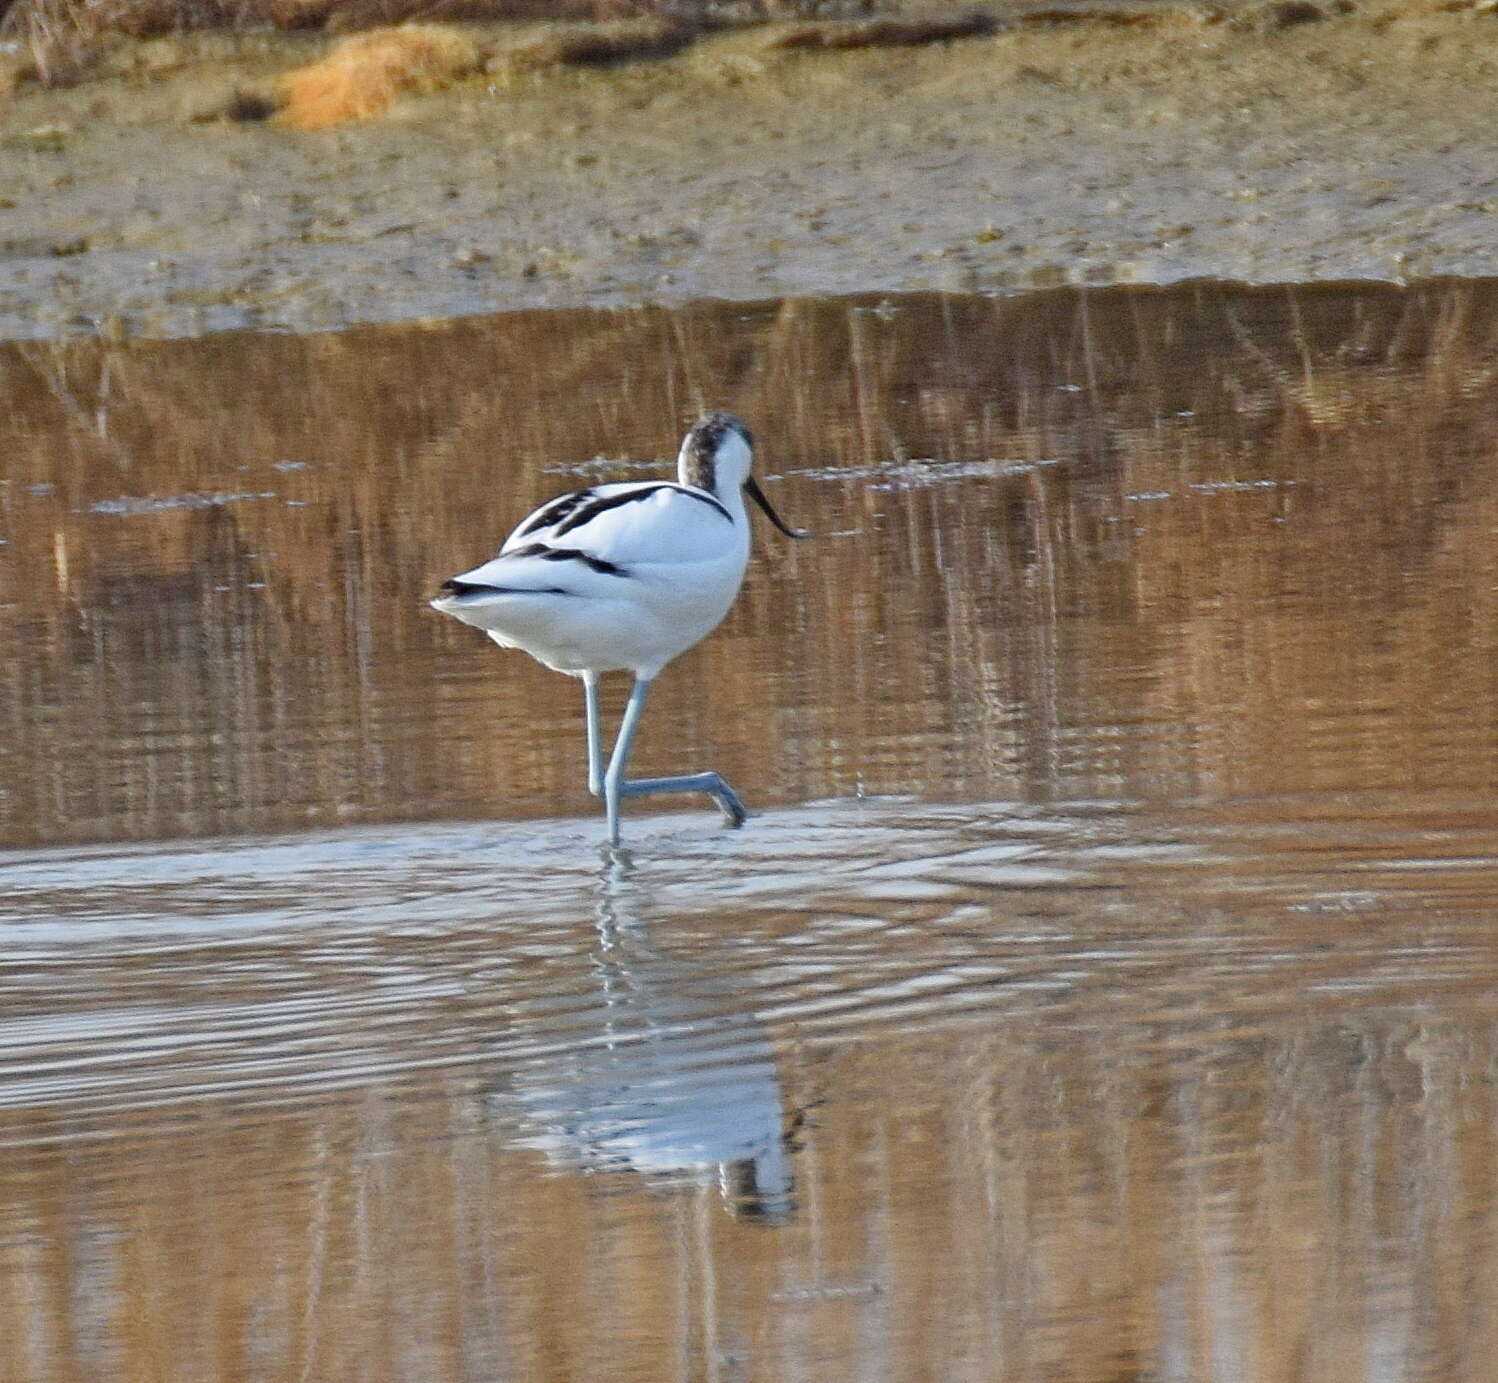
<point>622,578</point>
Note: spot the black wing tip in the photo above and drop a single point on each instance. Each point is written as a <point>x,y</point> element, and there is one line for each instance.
<point>456,590</point>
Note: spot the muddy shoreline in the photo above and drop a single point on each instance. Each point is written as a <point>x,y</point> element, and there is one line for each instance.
<point>1288,143</point>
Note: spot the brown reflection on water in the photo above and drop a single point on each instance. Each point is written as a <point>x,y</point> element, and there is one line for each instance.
<point>1142,543</point>
<point>1149,1032</point>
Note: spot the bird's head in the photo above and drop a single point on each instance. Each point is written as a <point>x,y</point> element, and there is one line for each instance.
<point>717,455</point>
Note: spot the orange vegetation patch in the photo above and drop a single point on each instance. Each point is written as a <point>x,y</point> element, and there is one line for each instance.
<point>365,73</point>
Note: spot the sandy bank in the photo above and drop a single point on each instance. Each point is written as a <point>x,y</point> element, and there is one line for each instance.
<point>1343,145</point>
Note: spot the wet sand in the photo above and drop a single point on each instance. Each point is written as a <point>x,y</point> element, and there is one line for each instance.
<point>1235,144</point>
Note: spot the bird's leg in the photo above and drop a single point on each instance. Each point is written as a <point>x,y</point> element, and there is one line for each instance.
<point>595,735</point>
<point>616,788</point>
<point>613,780</point>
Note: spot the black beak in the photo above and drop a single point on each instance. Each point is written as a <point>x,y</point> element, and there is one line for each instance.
<point>758,496</point>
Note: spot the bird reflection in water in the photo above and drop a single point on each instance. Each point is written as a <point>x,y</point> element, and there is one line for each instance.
<point>655,1072</point>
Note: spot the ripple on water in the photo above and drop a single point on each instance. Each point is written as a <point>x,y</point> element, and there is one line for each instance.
<point>1111,962</point>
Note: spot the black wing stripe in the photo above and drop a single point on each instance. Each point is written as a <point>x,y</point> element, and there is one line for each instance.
<point>548,553</point>
<point>555,511</point>
<point>601,505</point>
<point>588,512</point>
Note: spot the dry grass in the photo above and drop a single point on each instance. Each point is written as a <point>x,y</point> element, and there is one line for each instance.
<point>363,74</point>
<point>61,40</point>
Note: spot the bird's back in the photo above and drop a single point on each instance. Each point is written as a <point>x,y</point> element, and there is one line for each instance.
<point>622,576</point>
<point>636,524</point>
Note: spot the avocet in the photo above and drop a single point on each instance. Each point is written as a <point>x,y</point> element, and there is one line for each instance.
<point>623,578</point>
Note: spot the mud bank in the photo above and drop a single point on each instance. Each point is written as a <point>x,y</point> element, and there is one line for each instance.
<point>1287,143</point>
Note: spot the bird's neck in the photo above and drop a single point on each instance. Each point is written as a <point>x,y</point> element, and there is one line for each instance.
<point>701,475</point>
<point>699,471</point>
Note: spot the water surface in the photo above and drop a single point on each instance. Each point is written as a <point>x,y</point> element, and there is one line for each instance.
<point>1104,990</point>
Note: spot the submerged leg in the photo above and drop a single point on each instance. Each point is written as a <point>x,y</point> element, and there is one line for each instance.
<point>616,788</point>
<point>595,735</point>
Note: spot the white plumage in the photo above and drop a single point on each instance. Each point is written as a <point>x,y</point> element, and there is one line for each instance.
<point>626,590</point>
<point>623,578</point>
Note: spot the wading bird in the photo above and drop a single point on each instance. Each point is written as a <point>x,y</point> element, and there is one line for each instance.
<point>622,578</point>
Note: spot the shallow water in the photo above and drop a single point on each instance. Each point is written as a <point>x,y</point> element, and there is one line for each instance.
<point>1105,990</point>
